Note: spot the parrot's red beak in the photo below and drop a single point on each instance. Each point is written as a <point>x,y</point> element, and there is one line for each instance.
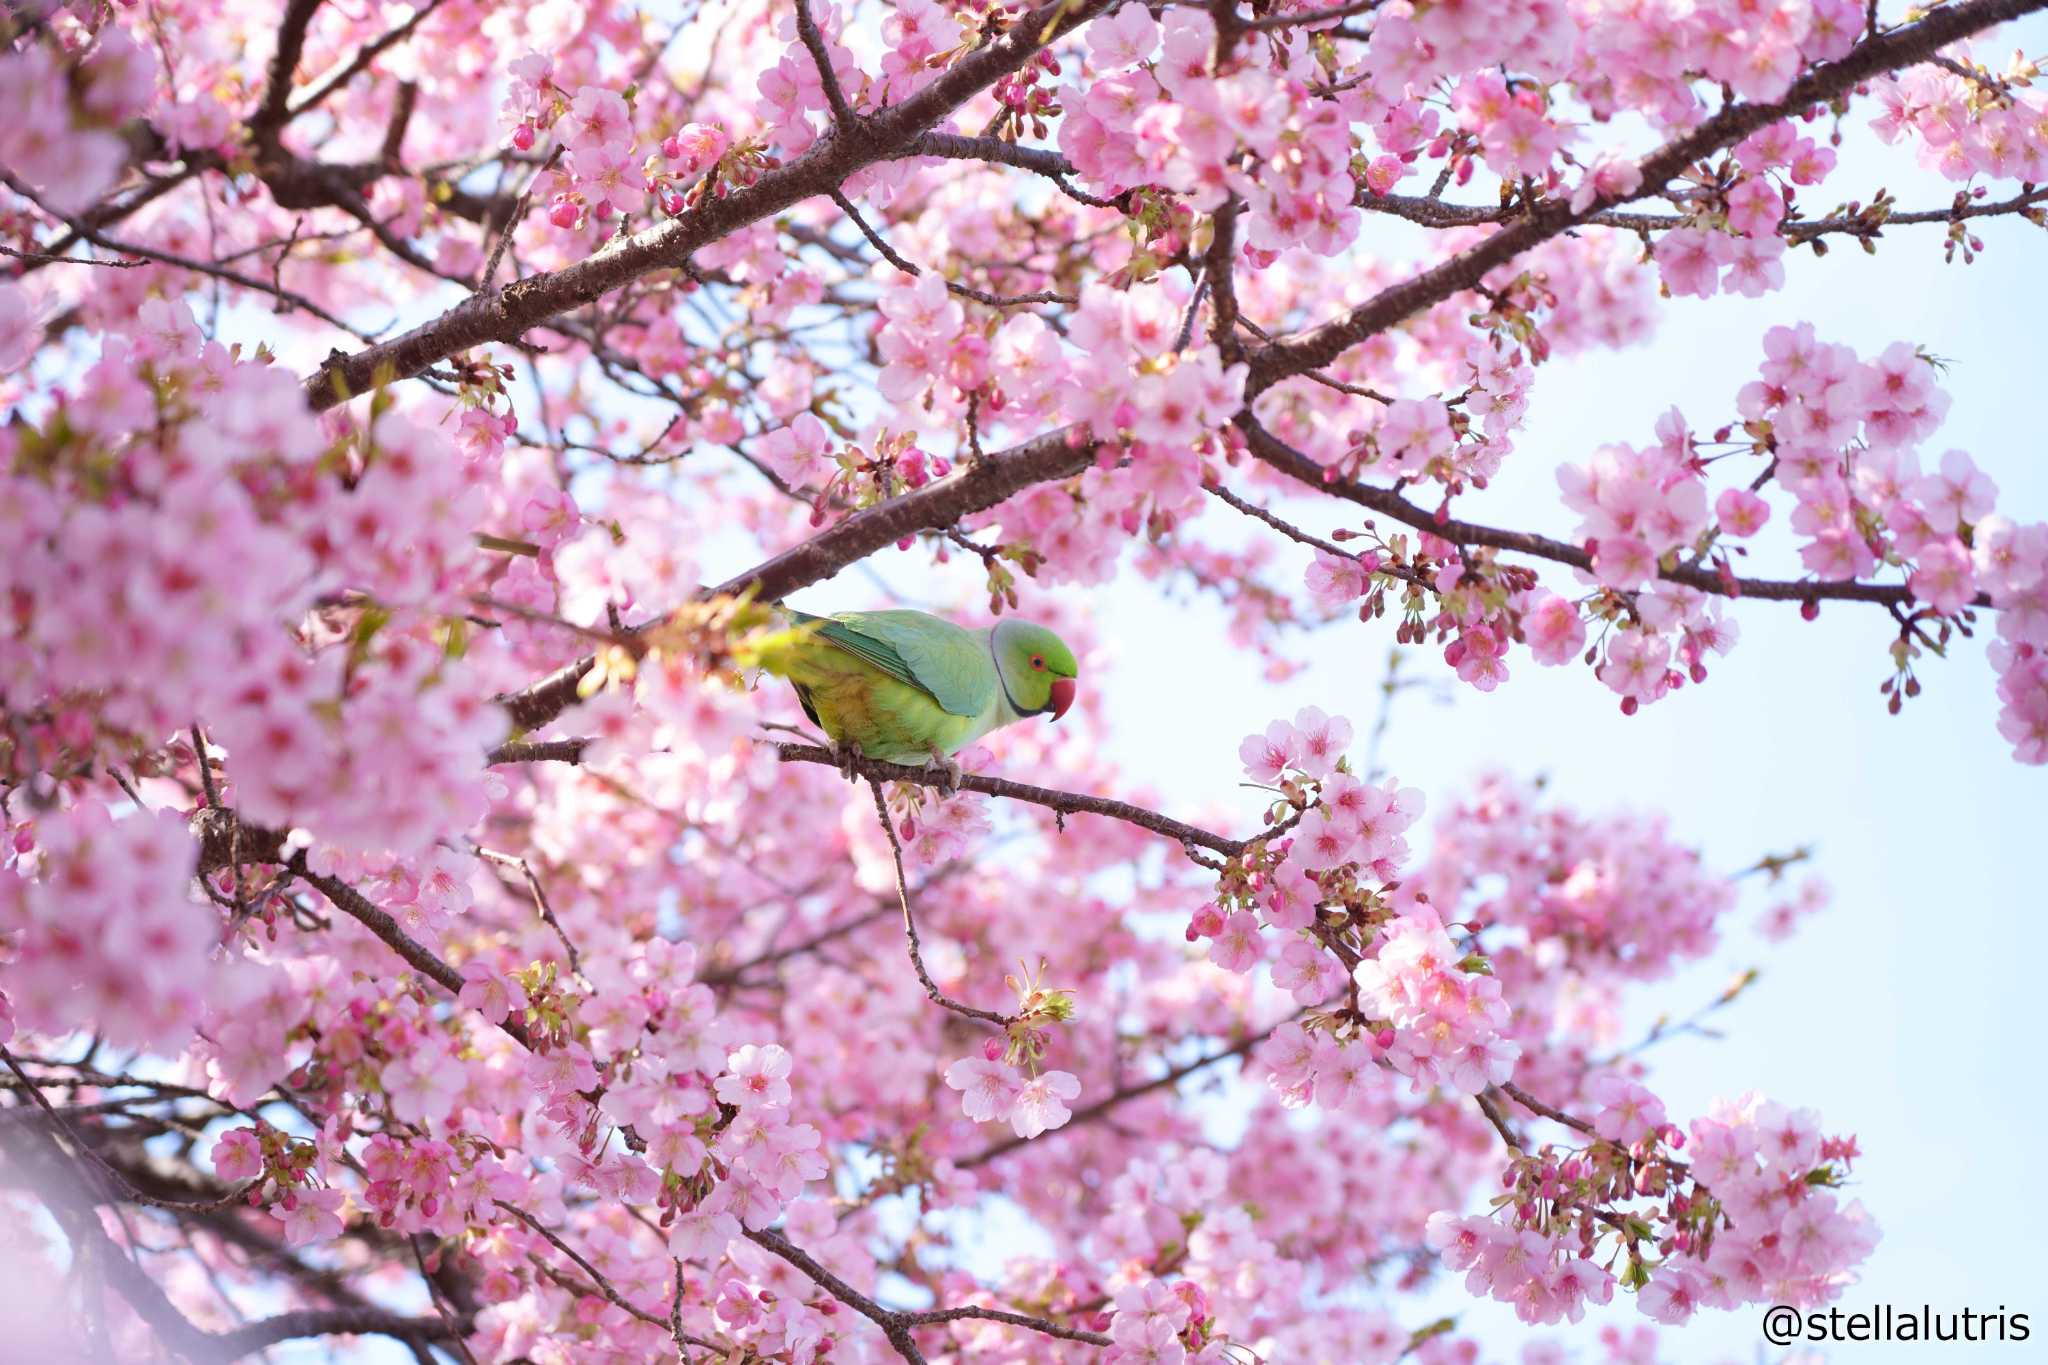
<point>1062,696</point>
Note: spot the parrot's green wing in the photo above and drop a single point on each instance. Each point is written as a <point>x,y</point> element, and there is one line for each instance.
<point>941,659</point>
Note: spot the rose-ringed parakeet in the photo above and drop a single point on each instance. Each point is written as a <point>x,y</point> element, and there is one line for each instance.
<point>909,687</point>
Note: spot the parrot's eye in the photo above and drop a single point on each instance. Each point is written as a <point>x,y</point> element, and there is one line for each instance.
<point>1038,662</point>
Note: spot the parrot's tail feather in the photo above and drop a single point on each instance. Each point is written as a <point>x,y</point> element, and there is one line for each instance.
<point>776,651</point>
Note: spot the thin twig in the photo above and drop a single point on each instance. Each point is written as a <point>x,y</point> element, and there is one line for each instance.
<point>876,240</point>
<point>924,977</point>
<point>843,117</point>
<point>85,232</point>
<point>1536,1106</point>
<point>540,899</point>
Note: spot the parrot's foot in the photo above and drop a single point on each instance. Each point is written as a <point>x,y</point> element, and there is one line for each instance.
<point>949,771</point>
<point>849,756</point>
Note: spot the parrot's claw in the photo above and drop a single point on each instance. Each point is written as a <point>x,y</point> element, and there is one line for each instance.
<point>949,770</point>
<point>849,756</point>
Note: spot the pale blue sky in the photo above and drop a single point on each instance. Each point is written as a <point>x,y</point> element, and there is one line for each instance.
<point>1908,1012</point>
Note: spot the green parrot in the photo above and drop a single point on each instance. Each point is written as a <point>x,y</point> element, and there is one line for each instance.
<point>909,687</point>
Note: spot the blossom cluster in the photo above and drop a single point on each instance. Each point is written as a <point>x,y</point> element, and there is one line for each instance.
<point>314,617</point>
<point>101,927</point>
<point>60,120</point>
<point>1447,1020</point>
<point>1750,1217</point>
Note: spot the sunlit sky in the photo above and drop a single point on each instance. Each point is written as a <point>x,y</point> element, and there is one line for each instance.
<point>1908,1012</point>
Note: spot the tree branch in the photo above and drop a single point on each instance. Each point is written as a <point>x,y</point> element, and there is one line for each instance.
<point>1300,18</point>
<point>1273,451</point>
<point>326,1322</point>
<point>1536,1106</point>
<point>1065,803</point>
<point>369,52</point>
<point>979,485</point>
<point>1437,214</point>
<point>81,230</point>
<point>1040,160</point>
<point>1172,1076</point>
<point>1903,46</point>
<point>357,907</point>
<point>881,244</point>
<point>896,1323</point>
<point>892,1324</point>
<point>507,314</point>
<point>272,113</point>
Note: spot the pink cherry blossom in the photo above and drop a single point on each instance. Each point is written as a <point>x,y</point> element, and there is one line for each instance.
<point>311,1215</point>
<point>1322,742</point>
<point>1741,512</point>
<point>756,1075</point>
<point>1266,756</point>
<point>1238,947</point>
<point>989,1090</point>
<point>1041,1104</point>
<point>237,1155</point>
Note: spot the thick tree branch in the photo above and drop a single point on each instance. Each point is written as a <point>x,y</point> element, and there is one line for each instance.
<point>973,488</point>
<point>329,1322</point>
<point>274,111</point>
<point>539,751</point>
<point>505,315</point>
<point>1317,347</point>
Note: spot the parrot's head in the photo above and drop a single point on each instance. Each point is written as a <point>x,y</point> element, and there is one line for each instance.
<point>1037,667</point>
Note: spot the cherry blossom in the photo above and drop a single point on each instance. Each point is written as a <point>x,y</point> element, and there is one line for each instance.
<point>412,895</point>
